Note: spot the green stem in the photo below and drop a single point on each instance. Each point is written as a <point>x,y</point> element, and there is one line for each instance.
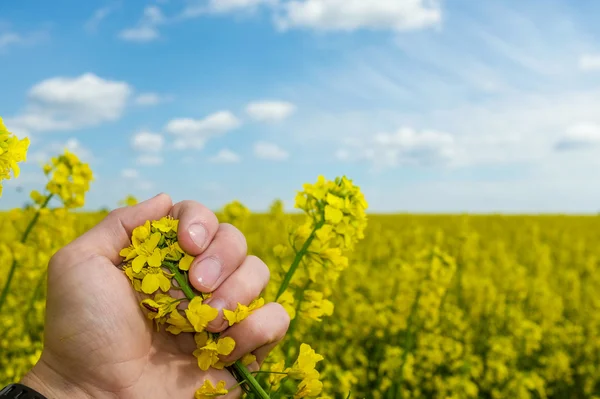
<point>239,368</point>
<point>268,372</point>
<point>407,346</point>
<point>26,233</point>
<point>36,292</point>
<point>292,341</point>
<point>299,255</point>
<point>181,280</point>
<point>255,387</point>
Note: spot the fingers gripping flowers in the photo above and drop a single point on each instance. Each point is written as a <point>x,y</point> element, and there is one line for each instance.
<point>152,261</point>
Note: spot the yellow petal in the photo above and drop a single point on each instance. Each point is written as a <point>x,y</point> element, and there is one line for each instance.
<point>225,345</point>
<point>186,262</point>
<point>155,260</point>
<point>204,360</point>
<point>138,263</point>
<point>150,283</point>
<point>248,359</point>
<point>333,215</point>
<point>201,339</point>
<point>230,316</point>
<point>165,283</point>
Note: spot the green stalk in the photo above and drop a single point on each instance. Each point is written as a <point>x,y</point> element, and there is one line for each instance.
<point>239,368</point>
<point>408,338</point>
<point>292,341</point>
<point>255,386</point>
<point>181,280</point>
<point>36,293</point>
<point>23,239</point>
<point>299,255</point>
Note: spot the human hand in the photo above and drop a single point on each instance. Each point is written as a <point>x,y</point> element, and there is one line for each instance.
<point>98,342</point>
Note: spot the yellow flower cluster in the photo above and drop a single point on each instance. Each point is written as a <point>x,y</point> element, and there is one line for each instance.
<point>69,179</point>
<point>234,212</point>
<point>12,151</point>
<point>152,262</point>
<point>310,265</point>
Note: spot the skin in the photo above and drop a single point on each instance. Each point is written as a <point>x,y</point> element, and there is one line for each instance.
<point>99,344</point>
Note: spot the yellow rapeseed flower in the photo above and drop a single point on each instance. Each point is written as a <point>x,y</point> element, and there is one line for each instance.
<point>208,390</point>
<point>200,314</point>
<point>208,350</point>
<point>242,311</point>
<point>178,324</point>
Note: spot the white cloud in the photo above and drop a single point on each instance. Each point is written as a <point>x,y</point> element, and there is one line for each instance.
<point>349,15</point>
<point>270,111</point>
<point>149,99</point>
<point>147,142</point>
<point>219,122</point>
<point>54,148</point>
<point>234,5</point>
<point>149,160</point>
<point>99,15</point>
<point>270,151</point>
<point>193,133</point>
<point>406,146</point>
<point>76,147</point>
<point>225,156</point>
<point>189,143</point>
<point>130,174</point>
<point>589,62</point>
<point>194,10</point>
<point>145,185</point>
<point>343,155</point>
<point>140,34</point>
<point>66,103</point>
<point>8,39</point>
<point>579,136</point>
<point>147,28</point>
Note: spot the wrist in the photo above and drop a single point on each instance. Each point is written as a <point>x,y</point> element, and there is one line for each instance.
<point>46,381</point>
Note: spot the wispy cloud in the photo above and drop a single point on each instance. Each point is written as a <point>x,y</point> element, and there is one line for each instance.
<point>406,146</point>
<point>580,136</point>
<point>589,62</point>
<point>10,38</point>
<point>150,99</point>
<point>270,151</point>
<point>99,15</point>
<point>146,29</point>
<point>270,111</point>
<point>193,133</point>
<point>350,15</point>
<point>225,156</point>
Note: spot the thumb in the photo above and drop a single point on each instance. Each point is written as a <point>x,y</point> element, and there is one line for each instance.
<point>113,233</point>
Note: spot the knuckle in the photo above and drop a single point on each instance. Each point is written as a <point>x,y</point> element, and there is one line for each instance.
<point>232,234</point>
<point>260,268</point>
<point>115,214</point>
<point>284,320</point>
<point>64,257</point>
<point>191,210</point>
<point>261,330</point>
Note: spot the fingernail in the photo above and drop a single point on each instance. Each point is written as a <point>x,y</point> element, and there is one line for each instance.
<point>198,234</point>
<point>209,271</point>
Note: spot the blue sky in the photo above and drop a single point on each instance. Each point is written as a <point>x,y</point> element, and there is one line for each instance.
<point>430,106</point>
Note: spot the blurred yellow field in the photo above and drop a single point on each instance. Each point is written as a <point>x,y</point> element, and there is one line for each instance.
<point>429,306</point>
